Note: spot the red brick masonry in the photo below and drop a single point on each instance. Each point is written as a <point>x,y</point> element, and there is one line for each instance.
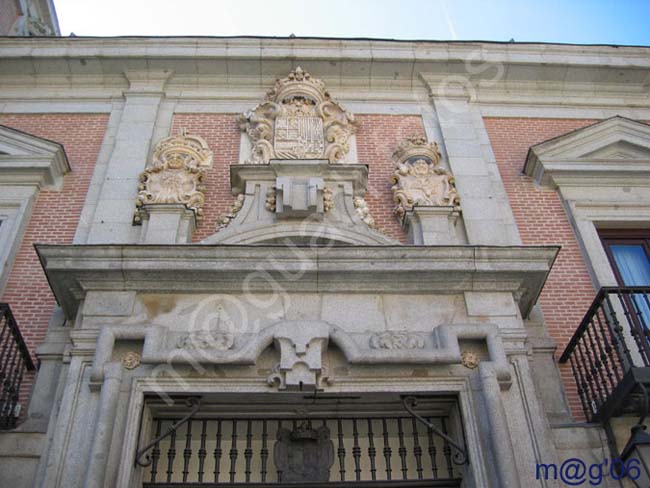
<point>541,220</point>
<point>55,215</point>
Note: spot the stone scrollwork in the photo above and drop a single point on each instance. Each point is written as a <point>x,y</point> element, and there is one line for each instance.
<point>396,339</point>
<point>363,211</point>
<point>418,179</point>
<point>298,120</point>
<point>225,219</point>
<point>175,174</point>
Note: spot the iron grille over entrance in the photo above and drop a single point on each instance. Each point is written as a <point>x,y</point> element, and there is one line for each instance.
<point>351,448</point>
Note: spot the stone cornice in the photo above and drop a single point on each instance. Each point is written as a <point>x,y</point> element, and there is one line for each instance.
<point>74,270</point>
<point>325,49</point>
<point>242,68</point>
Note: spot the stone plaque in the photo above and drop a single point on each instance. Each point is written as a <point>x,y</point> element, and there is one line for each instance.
<point>304,454</point>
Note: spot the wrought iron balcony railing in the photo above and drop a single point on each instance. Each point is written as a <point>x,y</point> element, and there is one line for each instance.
<point>609,353</point>
<point>14,361</point>
<point>260,450</point>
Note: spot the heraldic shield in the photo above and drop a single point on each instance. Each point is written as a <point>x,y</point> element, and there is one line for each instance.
<point>304,454</point>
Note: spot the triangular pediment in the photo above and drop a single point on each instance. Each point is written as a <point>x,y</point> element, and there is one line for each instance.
<point>614,148</point>
<point>27,159</point>
<point>619,150</point>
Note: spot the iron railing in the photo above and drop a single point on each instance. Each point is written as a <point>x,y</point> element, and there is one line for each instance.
<point>14,361</point>
<point>372,451</point>
<point>610,351</point>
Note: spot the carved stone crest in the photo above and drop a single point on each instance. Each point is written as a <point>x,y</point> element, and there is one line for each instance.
<point>396,339</point>
<point>418,179</point>
<point>175,174</point>
<point>216,334</point>
<point>298,120</point>
<point>304,454</point>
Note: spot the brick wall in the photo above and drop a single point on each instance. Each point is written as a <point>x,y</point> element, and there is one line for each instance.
<point>54,215</point>
<point>377,138</point>
<point>541,219</point>
<point>222,135</point>
<point>9,13</point>
<point>376,141</point>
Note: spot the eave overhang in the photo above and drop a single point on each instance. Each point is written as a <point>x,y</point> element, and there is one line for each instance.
<point>74,270</point>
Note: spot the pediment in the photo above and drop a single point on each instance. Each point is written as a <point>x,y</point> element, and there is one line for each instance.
<point>619,150</point>
<point>614,150</point>
<point>29,160</point>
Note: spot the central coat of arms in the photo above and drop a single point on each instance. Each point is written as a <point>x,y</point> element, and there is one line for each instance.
<point>298,120</point>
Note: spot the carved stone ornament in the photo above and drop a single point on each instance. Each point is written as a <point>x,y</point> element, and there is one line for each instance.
<point>225,219</point>
<point>269,203</point>
<point>304,454</point>
<point>298,120</point>
<point>328,199</point>
<point>130,360</point>
<point>418,179</point>
<point>175,174</point>
<point>469,359</point>
<point>363,211</point>
<point>217,334</point>
<point>396,339</point>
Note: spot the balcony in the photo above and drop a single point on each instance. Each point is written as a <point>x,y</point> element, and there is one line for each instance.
<point>334,441</point>
<point>609,354</point>
<point>14,361</point>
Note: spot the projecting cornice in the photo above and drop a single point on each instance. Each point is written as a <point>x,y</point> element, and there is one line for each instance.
<point>241,69</point>
<point>72,271</point>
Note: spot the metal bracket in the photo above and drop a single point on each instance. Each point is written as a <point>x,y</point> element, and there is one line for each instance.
<point>460,456</point>
<point>192,402</point>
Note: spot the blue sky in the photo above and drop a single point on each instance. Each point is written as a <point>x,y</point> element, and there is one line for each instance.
<point>570,21</point>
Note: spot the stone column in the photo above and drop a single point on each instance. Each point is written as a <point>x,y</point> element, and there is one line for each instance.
<point>504,454</point>
<point>112,221</point>
<point>101,446</point>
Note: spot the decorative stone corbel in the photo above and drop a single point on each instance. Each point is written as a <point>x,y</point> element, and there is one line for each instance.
<point>172,181</point>
<point>301,350</point>
<point>426,198</point>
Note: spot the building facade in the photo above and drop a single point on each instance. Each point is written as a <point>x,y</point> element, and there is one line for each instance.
<point>342,262</point>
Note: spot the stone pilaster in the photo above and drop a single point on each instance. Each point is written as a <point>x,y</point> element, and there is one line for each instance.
<point>112,221</point>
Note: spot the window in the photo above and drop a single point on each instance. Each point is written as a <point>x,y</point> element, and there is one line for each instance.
<point>629,254</point>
